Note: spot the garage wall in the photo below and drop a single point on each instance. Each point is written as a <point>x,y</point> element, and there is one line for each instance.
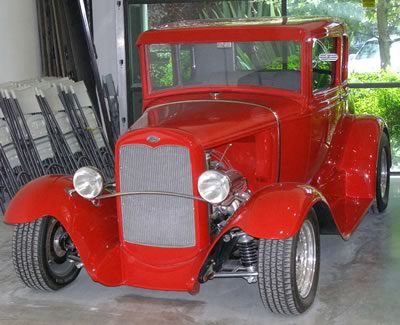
<point>111,53</point>
<point>105,36</point>
<point>19,41</point>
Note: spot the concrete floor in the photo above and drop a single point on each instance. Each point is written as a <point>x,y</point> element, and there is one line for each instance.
<point>359,284</point>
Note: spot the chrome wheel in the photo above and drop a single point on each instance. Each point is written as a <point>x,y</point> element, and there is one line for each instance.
<point>305,259</point>
<point>384,172</point>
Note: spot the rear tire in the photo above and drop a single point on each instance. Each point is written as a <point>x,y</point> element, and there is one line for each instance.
<point>39,259</point>
<point>382,185</point>
<point>288,270</point>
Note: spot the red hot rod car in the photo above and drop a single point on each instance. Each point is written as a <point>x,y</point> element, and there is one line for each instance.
<point>244,154</point>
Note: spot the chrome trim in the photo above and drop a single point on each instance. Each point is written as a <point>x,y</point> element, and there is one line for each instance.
<point>153,139</point>
<point>70,191</point>
<point>234,275</point>
<point>306,257</point>
<point>185,196</point>
<point>76,260</point>
<point>235,102</point>
<point>384,173</point>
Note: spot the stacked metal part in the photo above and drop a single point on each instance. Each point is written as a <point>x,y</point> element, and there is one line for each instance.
<point>113,103</point>
<point>48,126</point>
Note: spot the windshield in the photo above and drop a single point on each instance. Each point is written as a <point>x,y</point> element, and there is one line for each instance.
<point>370,50</point>
<point>274,64</point>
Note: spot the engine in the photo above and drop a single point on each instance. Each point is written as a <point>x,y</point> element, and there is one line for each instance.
<point>224,188</point>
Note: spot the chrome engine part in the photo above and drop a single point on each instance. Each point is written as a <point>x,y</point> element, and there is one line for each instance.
<point>248,255</point>
<point>239,193</point>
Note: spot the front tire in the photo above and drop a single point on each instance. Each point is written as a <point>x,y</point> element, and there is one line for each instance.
<point>39,255</point>
<point>288,270</point>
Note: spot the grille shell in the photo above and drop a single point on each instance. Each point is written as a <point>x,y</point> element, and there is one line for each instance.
<point>157,220</point>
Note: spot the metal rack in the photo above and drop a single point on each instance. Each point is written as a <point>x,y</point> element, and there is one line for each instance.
<point>48,126</point>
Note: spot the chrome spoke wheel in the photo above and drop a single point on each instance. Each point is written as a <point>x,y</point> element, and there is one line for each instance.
<point>384,173</point>
<point>305,259</point>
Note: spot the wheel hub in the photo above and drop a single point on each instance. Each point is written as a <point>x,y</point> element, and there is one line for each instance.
<point>305,259</point>
<point>59,242</point>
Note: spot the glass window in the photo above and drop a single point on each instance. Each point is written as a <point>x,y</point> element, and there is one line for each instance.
<point>186,55</point>
<point>161,73</point>
<point>323,71</point>
<point>265,64</point>
<point>268,56</point>
<point>173,11</point>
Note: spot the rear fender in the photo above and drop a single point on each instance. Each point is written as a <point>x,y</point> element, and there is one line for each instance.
<point>93,229</point>
<point>347,178</point>
<point>276,211</point>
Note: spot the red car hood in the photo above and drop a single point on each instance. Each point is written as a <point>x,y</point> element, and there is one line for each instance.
<point>212,122</point>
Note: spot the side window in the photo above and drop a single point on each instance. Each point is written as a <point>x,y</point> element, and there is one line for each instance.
<point>323,71</point>
<point>161,69</point>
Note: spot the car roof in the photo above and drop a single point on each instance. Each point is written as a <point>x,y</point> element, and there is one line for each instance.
<point>282,28</point>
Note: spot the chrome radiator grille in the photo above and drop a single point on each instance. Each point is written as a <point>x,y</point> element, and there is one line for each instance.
<point>157,220</point>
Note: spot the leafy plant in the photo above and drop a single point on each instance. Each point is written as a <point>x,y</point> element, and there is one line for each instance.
<point>161,67</point>
<point>242,9</point>
<point>383,102</point>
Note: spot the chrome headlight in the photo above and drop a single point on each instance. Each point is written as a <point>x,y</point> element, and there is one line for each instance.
<point>214,186</point>
<point>88,182</point>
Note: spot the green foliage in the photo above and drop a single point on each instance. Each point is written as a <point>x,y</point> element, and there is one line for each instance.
<point>186,63</point>
<point>267,56</point>
<point>244,62</point>
<point>383,102</point>
<point>293,63</point>
<point>242,9</point>
<point>351,11</point>
<point>161,69</point>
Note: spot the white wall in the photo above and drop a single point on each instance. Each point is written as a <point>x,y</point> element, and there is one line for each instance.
<point>105,36</point>
<point>109,51</point>
<point>19,41</point>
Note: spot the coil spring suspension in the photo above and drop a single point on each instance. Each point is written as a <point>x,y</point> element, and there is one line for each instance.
<point>248,251</point>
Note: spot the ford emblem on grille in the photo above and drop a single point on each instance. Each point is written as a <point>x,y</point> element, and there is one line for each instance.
<point>153,139</point>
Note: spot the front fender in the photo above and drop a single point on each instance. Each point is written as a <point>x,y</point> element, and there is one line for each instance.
<point>276,211</point>
<point>93,229</point>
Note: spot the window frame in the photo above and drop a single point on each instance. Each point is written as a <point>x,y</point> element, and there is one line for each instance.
<point>175,50</point>
<point>336,70</point>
